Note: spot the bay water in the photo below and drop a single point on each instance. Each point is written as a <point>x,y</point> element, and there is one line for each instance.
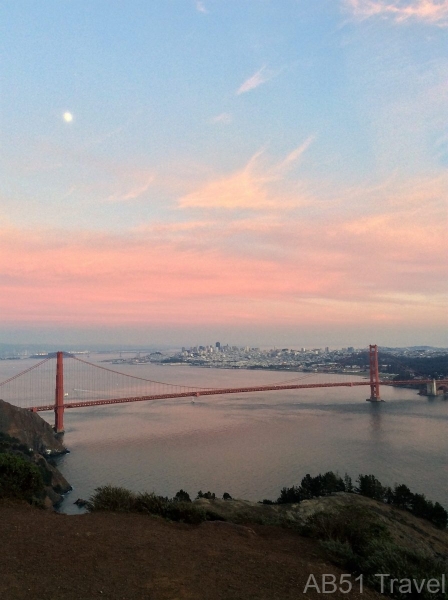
<point>252,445</point>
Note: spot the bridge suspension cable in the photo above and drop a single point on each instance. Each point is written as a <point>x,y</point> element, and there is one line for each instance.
<point>193,388</point>
<point>80,383</point>
<point>25,371</point>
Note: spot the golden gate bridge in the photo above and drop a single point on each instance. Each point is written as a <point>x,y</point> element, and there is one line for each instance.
<point>43,386</point>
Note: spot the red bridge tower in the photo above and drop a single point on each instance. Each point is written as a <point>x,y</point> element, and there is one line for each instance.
<point>59,394</point>
<point>374,375</point>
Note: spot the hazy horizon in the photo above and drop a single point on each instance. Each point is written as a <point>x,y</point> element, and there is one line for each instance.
<point>119,340</point>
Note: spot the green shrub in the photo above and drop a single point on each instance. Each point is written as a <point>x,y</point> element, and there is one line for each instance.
<point>186,512</point>
<point>8,443</point>
<point>386,557</point>
<point>19,478</point>
<point>342,554</point>
<point>47,475</point>
<point>150,504</point>
<point>353,525</point>
<point>368,485</point>
<point>116,499</point>
<point>356,541</point>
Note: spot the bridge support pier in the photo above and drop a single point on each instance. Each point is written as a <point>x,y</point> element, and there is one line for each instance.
<point>59,394</point>
<point>374,375</point>
<point>431,388</point>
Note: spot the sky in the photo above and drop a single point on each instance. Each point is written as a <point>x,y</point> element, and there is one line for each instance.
<point>262,172</point>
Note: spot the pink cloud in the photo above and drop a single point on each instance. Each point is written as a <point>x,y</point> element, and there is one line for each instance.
<point>135,192</point>
<point>256,186</point>
<point>429,11</point>
<point>375,253</point>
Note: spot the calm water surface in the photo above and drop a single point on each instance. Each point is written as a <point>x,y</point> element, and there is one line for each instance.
<point>252,445</point>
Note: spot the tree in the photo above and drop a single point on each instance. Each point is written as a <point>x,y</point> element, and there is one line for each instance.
<point>331,483</point>
<point>289,495</point>
<point>182,496</point>
<point>402,497</point>
<point>368,485</point>
<point>206,495</point>
<point>321,485</point>
<point>439,516</point>
<point>348,483</point>
<point>421,507</point>
<point>310,487</point>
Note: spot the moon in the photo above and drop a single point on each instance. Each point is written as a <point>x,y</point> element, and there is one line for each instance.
<point>68,117</point>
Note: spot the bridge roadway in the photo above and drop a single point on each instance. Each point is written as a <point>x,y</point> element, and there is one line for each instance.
<point>216,391</point>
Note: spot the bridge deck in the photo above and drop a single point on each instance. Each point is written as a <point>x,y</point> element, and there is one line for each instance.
<point>218,391</point>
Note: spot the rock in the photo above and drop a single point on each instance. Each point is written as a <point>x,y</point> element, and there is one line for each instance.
<point>30,429</point>
<point>34,440</point>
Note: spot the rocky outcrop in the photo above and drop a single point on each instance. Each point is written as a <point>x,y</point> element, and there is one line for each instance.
<point>30,429</point>
<point>28,435</point>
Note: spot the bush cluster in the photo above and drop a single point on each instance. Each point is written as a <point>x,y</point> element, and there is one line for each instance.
<point>356,541</point>
<point>313,487</point>
<point>212,495</point>
<point>118,499</point>
<point>402,497</point>
<point>20,479</point>
<point>368,485</point>
<point>206,495</point>
<point>8,443</point>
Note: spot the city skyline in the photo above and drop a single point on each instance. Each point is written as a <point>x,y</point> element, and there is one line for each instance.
<point>178,171</point>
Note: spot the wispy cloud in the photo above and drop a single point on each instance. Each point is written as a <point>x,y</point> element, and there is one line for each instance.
<point>201,8</point>
<point>429,11</point>
<point>256,186</point>
<point>261,76</point>
<point>295,155</point>
<point>224,118</point>
<point>133,193</point>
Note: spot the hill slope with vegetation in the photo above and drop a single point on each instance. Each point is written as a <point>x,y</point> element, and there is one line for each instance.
<point>27,444</point>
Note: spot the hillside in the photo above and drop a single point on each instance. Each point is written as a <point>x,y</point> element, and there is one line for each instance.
<point>136,557</point>
<point>406,530</point>
<point>122,556</point>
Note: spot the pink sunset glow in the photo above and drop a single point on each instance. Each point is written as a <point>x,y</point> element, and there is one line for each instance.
<point>248,269</point>
<point>289,190</point>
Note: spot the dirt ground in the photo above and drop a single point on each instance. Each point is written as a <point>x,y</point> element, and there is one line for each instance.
<point>46,556</point>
